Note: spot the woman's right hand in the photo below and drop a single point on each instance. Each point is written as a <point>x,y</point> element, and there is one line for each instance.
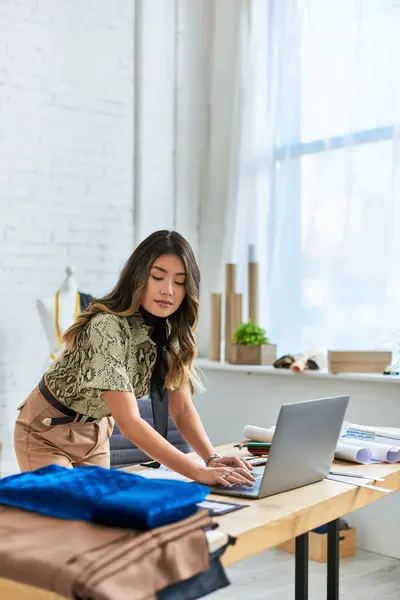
<point>220,476</point>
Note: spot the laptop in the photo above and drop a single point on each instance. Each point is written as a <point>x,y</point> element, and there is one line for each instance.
<point>302,448</point>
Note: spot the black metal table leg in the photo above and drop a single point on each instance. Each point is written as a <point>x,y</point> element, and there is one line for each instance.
<point>301,567</point>
<point>333,561</point>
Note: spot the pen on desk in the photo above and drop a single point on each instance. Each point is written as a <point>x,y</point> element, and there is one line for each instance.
<point>345,474</point>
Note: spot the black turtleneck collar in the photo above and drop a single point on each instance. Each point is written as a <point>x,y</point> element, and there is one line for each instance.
<point>159,393</point>
<point>151,320</point>
<point>159,335</point>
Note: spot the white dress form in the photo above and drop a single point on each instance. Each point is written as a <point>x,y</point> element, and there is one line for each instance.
<point>58,313</point>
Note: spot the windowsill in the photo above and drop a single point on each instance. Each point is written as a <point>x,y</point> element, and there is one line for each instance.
<point>205,364</point>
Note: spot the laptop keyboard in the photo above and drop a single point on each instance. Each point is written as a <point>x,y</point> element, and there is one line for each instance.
<point>246,488</point>
<point>258,473</point>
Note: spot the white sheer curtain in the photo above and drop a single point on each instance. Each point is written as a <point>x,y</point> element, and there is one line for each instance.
<point>234,195</point>
<point>334,206</point>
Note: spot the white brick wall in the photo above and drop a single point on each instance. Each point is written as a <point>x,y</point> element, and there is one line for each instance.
<point>66,191</point>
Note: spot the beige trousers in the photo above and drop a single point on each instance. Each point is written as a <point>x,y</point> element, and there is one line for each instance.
<point>72,445</point>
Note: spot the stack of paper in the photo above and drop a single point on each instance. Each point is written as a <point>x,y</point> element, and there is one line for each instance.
<point>357,443</point>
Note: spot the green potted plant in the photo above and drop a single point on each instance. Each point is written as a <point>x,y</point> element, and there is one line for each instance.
<point>251,346</point>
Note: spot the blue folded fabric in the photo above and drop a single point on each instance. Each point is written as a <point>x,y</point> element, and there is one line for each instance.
<point>103,496</point>
<point>152,504</point>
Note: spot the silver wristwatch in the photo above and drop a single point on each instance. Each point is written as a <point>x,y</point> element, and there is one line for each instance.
<point>215,455</point>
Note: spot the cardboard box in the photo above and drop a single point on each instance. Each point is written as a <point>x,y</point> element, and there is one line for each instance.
<point>358,361</point>
<point>317,545</point>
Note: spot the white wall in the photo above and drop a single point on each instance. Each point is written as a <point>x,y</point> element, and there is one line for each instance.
<point>66,167</point>
<point>106,137</point>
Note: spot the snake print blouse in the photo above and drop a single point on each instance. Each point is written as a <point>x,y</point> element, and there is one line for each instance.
<point>113,353</point>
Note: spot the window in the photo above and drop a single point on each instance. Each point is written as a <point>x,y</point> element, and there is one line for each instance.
<point>334,214</point>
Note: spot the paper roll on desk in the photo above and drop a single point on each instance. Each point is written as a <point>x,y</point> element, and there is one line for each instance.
<point>379,452</point>
<point>359,451</point>
<point>258,434</point>
<point>363,456</point>
<point>383,435</point>
<point>383,442</point>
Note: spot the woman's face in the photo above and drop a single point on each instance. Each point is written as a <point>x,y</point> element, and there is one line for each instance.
<point>166,286</point>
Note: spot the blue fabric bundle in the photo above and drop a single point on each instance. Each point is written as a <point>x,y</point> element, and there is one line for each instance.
<point>103,496</point>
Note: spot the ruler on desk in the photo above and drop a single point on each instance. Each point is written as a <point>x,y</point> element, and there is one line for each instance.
<point>368,486</point>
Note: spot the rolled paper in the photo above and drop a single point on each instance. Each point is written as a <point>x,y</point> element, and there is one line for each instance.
<point>353,453</point>
<point>258,434</point>
<point>252,253</point>
<point>383,435</point>
<point>300,365</point>
<point>230,278</point>
<point>393,455</point>
<point>380,452</point>
<point>233,319</point>
<point>228,326</point>
<point>359,451</point>
<point>230,288</point>
<point>236,312</point>
<point>253,286</point>
<point>215,322</point>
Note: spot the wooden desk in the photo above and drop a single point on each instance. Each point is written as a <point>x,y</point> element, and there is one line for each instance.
<point>270,521</point>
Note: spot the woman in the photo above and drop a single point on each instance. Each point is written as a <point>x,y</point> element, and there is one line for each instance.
<point>138,338</point>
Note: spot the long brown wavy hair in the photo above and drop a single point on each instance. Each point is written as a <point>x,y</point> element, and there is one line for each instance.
<point>125,298</point>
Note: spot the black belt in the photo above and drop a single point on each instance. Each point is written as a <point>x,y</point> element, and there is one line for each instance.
<point>72,416</point>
